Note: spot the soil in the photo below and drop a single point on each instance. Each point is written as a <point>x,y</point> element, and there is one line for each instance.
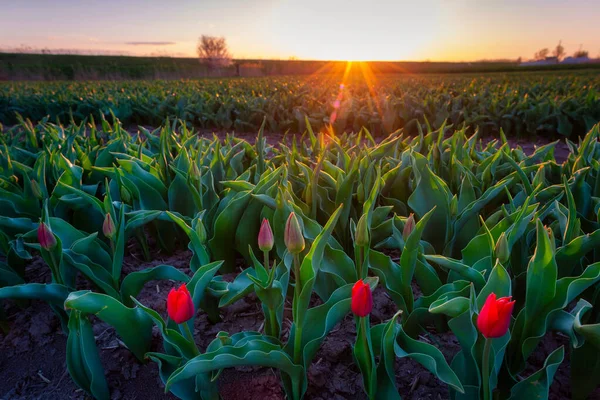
<point>32,353</point>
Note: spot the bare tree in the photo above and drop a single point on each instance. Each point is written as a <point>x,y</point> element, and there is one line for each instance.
<point>541,54</point>
<point>581,53</point>
<point>213,52</point>
<point>559,51</point>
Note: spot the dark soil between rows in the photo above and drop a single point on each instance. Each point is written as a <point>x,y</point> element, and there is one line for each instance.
<point>32,354</point>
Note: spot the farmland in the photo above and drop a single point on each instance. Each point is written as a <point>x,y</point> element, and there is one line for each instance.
<point>345,235</point>
<point>552,104</point>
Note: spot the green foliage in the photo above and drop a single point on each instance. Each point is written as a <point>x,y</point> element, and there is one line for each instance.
<point>562,104</point>
<point>174,188</point>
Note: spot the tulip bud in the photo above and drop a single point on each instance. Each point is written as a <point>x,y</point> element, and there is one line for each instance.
<point>362,299</point>
<point>195,172</point>
<point>551,237</point>
<point>454,205</point>
<point>293,237</point>
<point>35,188</point>
<point>436,154</point>
<point>265,236</point>
<point>493,320</point>
<point>362,232</point>
<point>409,226</point>
<point>180,306</point>
<point>125,194</point>
<point>201,231</point>
<point>108,227</point>
<point>46,237</point>
<point>501,249</point>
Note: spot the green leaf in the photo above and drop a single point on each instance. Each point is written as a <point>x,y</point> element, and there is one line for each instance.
<point>131,324</point>
<point>134,282</point>
<point>83,359</point>
<point>537,385</point>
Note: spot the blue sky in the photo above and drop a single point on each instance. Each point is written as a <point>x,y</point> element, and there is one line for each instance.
<point>307,29</point>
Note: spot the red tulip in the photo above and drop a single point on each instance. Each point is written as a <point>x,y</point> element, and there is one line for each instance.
<point>265,236</point>
<point>494,318</point>
<point>362,299</point>
<point>179,305</point>
<point>46,237</point>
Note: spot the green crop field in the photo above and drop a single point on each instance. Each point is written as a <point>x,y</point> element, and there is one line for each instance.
<point>440,225</point>
<point>345,232</point>
<point>522,104</point>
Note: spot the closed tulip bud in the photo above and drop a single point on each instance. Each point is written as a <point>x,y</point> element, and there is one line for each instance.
<point>409,226</point>
<point>293,237</point>
<point>46,237</point>
<point>501,249</point>
<point>125,194</point>
<point>195,172</point>
<point>108,227</point>
<point>180,306</point>
<point>362,232</point>
<point>201,231</point>
<point>493,320</point>
<point>454,205</point>
<point>362,299</point>
<point>265,236</point>
<point>551,237</point>
<point>436,154</point>
<point>35,189</point>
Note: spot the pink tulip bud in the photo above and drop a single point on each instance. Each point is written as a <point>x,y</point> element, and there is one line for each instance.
<point>265,236</point>
<point>46,237</point>
<point>108,227</point>
<point>409,226</point>
<point>293,237</point>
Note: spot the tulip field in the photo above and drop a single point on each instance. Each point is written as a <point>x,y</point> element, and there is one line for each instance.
<point>565,104</point>
<point>426,263</point>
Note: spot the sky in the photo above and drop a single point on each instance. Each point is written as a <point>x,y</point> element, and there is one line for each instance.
<point>435,30</point>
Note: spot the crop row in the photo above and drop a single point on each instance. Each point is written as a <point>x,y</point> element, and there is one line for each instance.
<point>470,222</point>
<point>522,104</point>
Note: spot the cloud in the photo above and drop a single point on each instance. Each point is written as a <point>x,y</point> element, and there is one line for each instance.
<point>150,43</point>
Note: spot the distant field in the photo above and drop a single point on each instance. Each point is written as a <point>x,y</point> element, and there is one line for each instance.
<point>83,67</point>
<point>559,103</point>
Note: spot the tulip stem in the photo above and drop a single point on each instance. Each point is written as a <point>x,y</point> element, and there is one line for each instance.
<point>486,368</point>
<point>359,261</point>
<point>297,292</point>
<point>55,268</point>
<point>274,331</point>
<point>266,260</point>
<point>297,286</point>
<point>190,337</point>
<point>366,331</point>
